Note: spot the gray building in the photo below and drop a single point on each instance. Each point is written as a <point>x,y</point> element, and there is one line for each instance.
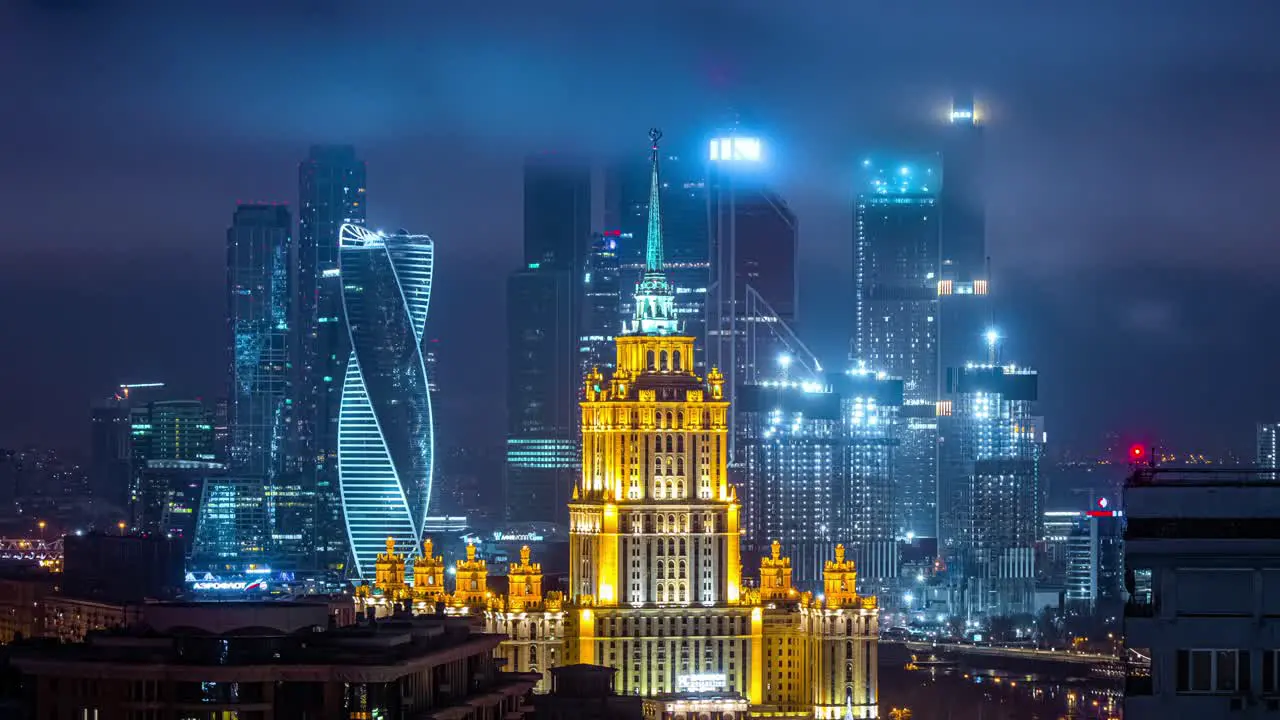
<point>1202,572</point>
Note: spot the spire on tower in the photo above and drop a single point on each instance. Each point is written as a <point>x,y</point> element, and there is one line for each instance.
<point>653,248</point>
<point>655,312</point>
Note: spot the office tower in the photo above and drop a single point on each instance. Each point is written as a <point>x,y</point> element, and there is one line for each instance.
<point>385,438</point>
<point>963,197</point>
<point>231,526</point>
<point>542,457</point>
<point>600,316</point>
<point>545,316</point>
<point>1268,445</point>
<point>989,487</point>
<point>870,409</point>
<point>896,256</point>
<point>259,300</point>
<point>110,433</point>
<point>655,573</point>
<point>1095,562</point>
<point>164,430</point>
<point>752,296</point>
<point>222,430</point>
<point>964,306</point>
<point>331,193</point>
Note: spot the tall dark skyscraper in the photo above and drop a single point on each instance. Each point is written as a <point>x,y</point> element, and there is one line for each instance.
<point>599,315</point>
<point>751,293</point>
<point>896,266</point>
<point>259,309</point>
<point>331,192</point>
<point>965,311</point>
<point>545,315</point>
<point>542,453</point>
<point>109,453</point>
<point>165,433</point>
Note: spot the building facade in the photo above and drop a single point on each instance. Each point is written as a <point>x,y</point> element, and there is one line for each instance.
<point>897,229</point>
<point>1202,574</point>
<point>385,436</point>
<point>331,193</point>
<point>992,446</point>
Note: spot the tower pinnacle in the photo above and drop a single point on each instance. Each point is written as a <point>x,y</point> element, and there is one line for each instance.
<point>653,248</point>
<point>655,299</point>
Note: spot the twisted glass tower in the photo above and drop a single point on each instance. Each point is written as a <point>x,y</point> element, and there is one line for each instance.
<point>385,441</point>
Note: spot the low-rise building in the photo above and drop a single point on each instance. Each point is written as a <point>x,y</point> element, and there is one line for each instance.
<point>1202,574</point>
<point>255,661</point>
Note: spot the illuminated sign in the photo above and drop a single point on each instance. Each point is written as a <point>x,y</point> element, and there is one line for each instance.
<point>706,682</point>
<point>500,536</point>
<point>229,585</point>
<point>961,115</point>
<point>736,149</point>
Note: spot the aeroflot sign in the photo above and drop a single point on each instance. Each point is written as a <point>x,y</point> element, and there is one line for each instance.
<point>229,585</point>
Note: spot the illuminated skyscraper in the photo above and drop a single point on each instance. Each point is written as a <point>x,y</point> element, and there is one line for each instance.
<point>331,193</point>
<point>259,300</point>
<point>818,470</point>
<point>655,574</point>
<point>1269,446</point>
<point>992,447</point>
<point>385,441</point>
<point>600,313</point>
<point>896,265</point>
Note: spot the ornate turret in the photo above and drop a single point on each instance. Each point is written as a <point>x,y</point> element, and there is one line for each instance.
<point>524,582</point>
<point>428,574</point>
<point>839,580</point>
<point>388,577</point>
<point>775,576</point>
<point>472,580</point>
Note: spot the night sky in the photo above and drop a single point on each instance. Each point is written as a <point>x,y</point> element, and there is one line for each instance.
<point>1133,217</point>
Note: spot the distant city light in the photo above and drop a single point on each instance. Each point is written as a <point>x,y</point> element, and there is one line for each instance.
<point>746,149</point>
<point>784,360</point>
<point>993,336</point>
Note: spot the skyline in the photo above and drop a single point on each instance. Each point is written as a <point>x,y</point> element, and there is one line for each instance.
<point>1134,257</point>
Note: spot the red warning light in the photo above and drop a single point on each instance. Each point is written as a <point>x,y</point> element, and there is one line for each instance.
<point>1137,452</point>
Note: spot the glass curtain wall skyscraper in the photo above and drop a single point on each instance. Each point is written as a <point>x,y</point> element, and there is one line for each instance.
<point>896,273</point>
<point>331,193</point>
<point>385,438</point>
<point>545,314</point>
<point>259,310</point>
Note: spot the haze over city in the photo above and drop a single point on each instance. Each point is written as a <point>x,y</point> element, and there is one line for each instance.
<point>1129,218</point>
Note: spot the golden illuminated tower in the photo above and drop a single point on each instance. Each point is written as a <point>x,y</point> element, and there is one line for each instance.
<point>655,573</point>
<point>472,580</point>
<point>389,573</point>
<point>428,575</point>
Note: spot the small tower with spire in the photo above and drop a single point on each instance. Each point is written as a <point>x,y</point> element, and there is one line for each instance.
<point>775,575</point>
<point>472,577</point>
<point>655,310</point>
<point>428,574</point>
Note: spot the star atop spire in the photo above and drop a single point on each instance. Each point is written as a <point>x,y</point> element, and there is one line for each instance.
<point>653,248</point>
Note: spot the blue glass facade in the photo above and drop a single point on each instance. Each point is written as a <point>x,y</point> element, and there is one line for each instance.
<point>385,439</point>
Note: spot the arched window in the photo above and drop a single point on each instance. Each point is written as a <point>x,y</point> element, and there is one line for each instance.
<point>680,490</point>
<point>671,544</point>
<point>649,360</point>
<point>662,360</point>
<point>680,438</point>
<point>657,466</point>
<point>670,466</point>
<point>680,466</point>
<point>675,360</point>
<point>684,590</point>
<point>848,672</point>
<point>682,551</point>
<point>670,444</point>
<point>683,570</point>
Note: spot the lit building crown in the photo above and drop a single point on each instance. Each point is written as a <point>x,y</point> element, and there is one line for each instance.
<point>655,312</point>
